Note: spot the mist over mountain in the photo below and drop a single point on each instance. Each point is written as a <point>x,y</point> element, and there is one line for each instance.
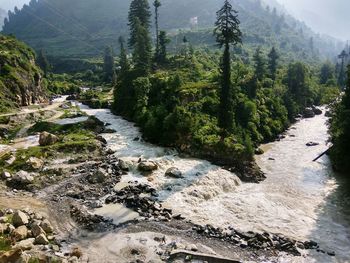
<point>325,17</point>
<point>3,14</point>
<point>86,27</point>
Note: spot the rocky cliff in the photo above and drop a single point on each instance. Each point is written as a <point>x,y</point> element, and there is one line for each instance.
<point>21,82</point>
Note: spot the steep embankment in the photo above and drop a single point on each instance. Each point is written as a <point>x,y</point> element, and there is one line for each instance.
<point>21,81</point>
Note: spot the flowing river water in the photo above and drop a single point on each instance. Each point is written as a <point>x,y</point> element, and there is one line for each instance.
<point>300,198</point>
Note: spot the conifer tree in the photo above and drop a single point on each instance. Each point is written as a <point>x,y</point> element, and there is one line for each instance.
<point>273,63</point>
<point>108,65</point>
<point>156,5</point>
<point>163,41</point>
<point>124,63</point>
<point>139,12</point>
<point>227,32</point>
<point>260,64</point>
<point>142,49</point>
<point>43,62</point>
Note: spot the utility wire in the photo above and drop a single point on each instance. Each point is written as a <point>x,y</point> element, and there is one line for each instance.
<point>75,22</point>
<point>60,30</point>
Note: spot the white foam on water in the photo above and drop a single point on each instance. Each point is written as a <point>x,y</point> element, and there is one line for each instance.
<point>299,198</point>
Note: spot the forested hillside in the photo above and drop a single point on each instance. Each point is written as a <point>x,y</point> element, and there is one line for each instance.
<point>87,26</point>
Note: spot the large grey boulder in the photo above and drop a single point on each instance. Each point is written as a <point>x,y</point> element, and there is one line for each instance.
<point>46,226</point>
<point>19,219</point>
<point>41,240</point>
<point>174,173</point>
<point>23,177</point>
<point>46,139</point>
<point>98,176</point>
<point>37,230</point>
<point>20,233</point>
<point>35,163</point>
<point>147,166</point>
<point>309,113</point>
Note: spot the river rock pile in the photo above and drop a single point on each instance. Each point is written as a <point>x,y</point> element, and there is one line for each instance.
<point>25,230</point>
<point>258,241</point>
<point>90,221</point>
<point>141,198</point>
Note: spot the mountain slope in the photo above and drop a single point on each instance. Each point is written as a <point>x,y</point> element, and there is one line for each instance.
<point>87,26</point>
<point>20,79</point>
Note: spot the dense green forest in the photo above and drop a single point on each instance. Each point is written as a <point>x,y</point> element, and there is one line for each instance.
<point>88,26</point>
<point>209,105</point>
<point>340,131</point>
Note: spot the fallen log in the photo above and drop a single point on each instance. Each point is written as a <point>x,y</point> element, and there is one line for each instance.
<point>322,154</point>
<point>200,256</point>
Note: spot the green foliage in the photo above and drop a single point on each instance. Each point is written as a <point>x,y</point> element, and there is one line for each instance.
<point>108,65</point>
<point>19,76</point>
<point>163,42</point>
<point>227,32</point>
<point>273,63</point>
<point>43,62</point>
<point>327,74</point>
<point>260,64</point>
<point>139,17</point>
<point>340,132</point>
<point>142,54</point>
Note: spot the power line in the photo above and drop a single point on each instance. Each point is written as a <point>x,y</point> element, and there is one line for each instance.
<point>76,23</point>
<point>60,30</point>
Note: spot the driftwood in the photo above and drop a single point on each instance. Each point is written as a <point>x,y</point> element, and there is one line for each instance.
<point>176,254</point>
<point>325,152</point>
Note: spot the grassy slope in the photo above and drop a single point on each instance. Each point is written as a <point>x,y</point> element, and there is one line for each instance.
<point>20,77</point>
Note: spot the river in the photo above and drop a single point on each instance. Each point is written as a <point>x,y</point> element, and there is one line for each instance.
<point>300,198</point>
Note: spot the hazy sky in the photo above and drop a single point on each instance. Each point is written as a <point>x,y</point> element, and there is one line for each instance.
<point>324,16</point>
<point>10,4</point>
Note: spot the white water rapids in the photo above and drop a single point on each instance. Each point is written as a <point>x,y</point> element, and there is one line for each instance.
<point>300,198</point>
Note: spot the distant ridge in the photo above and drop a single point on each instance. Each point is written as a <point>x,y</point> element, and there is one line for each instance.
<point>82,28</point>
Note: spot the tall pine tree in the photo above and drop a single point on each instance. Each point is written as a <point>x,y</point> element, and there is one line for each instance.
<point>227,32</point>
<point>163,42</point>
<point>43,62</point>
<point>273,63</point>
<point>156,5</point>
<point>260,64</point>
<point>139,12</point>
<point>124,63</point>
<point>142,55</point>
<point>108,65</point>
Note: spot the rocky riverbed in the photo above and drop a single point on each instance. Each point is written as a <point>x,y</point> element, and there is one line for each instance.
<point>123,200</point>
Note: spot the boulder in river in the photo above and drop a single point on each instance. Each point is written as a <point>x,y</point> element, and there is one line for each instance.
<point>174,172</point>
<point>46,139</point>
<point>311,144</point>
<point>317,111</point>
<point>147,166</point>
<point>259,151</point>
<point>98,176</point>
<point>309,113</point>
